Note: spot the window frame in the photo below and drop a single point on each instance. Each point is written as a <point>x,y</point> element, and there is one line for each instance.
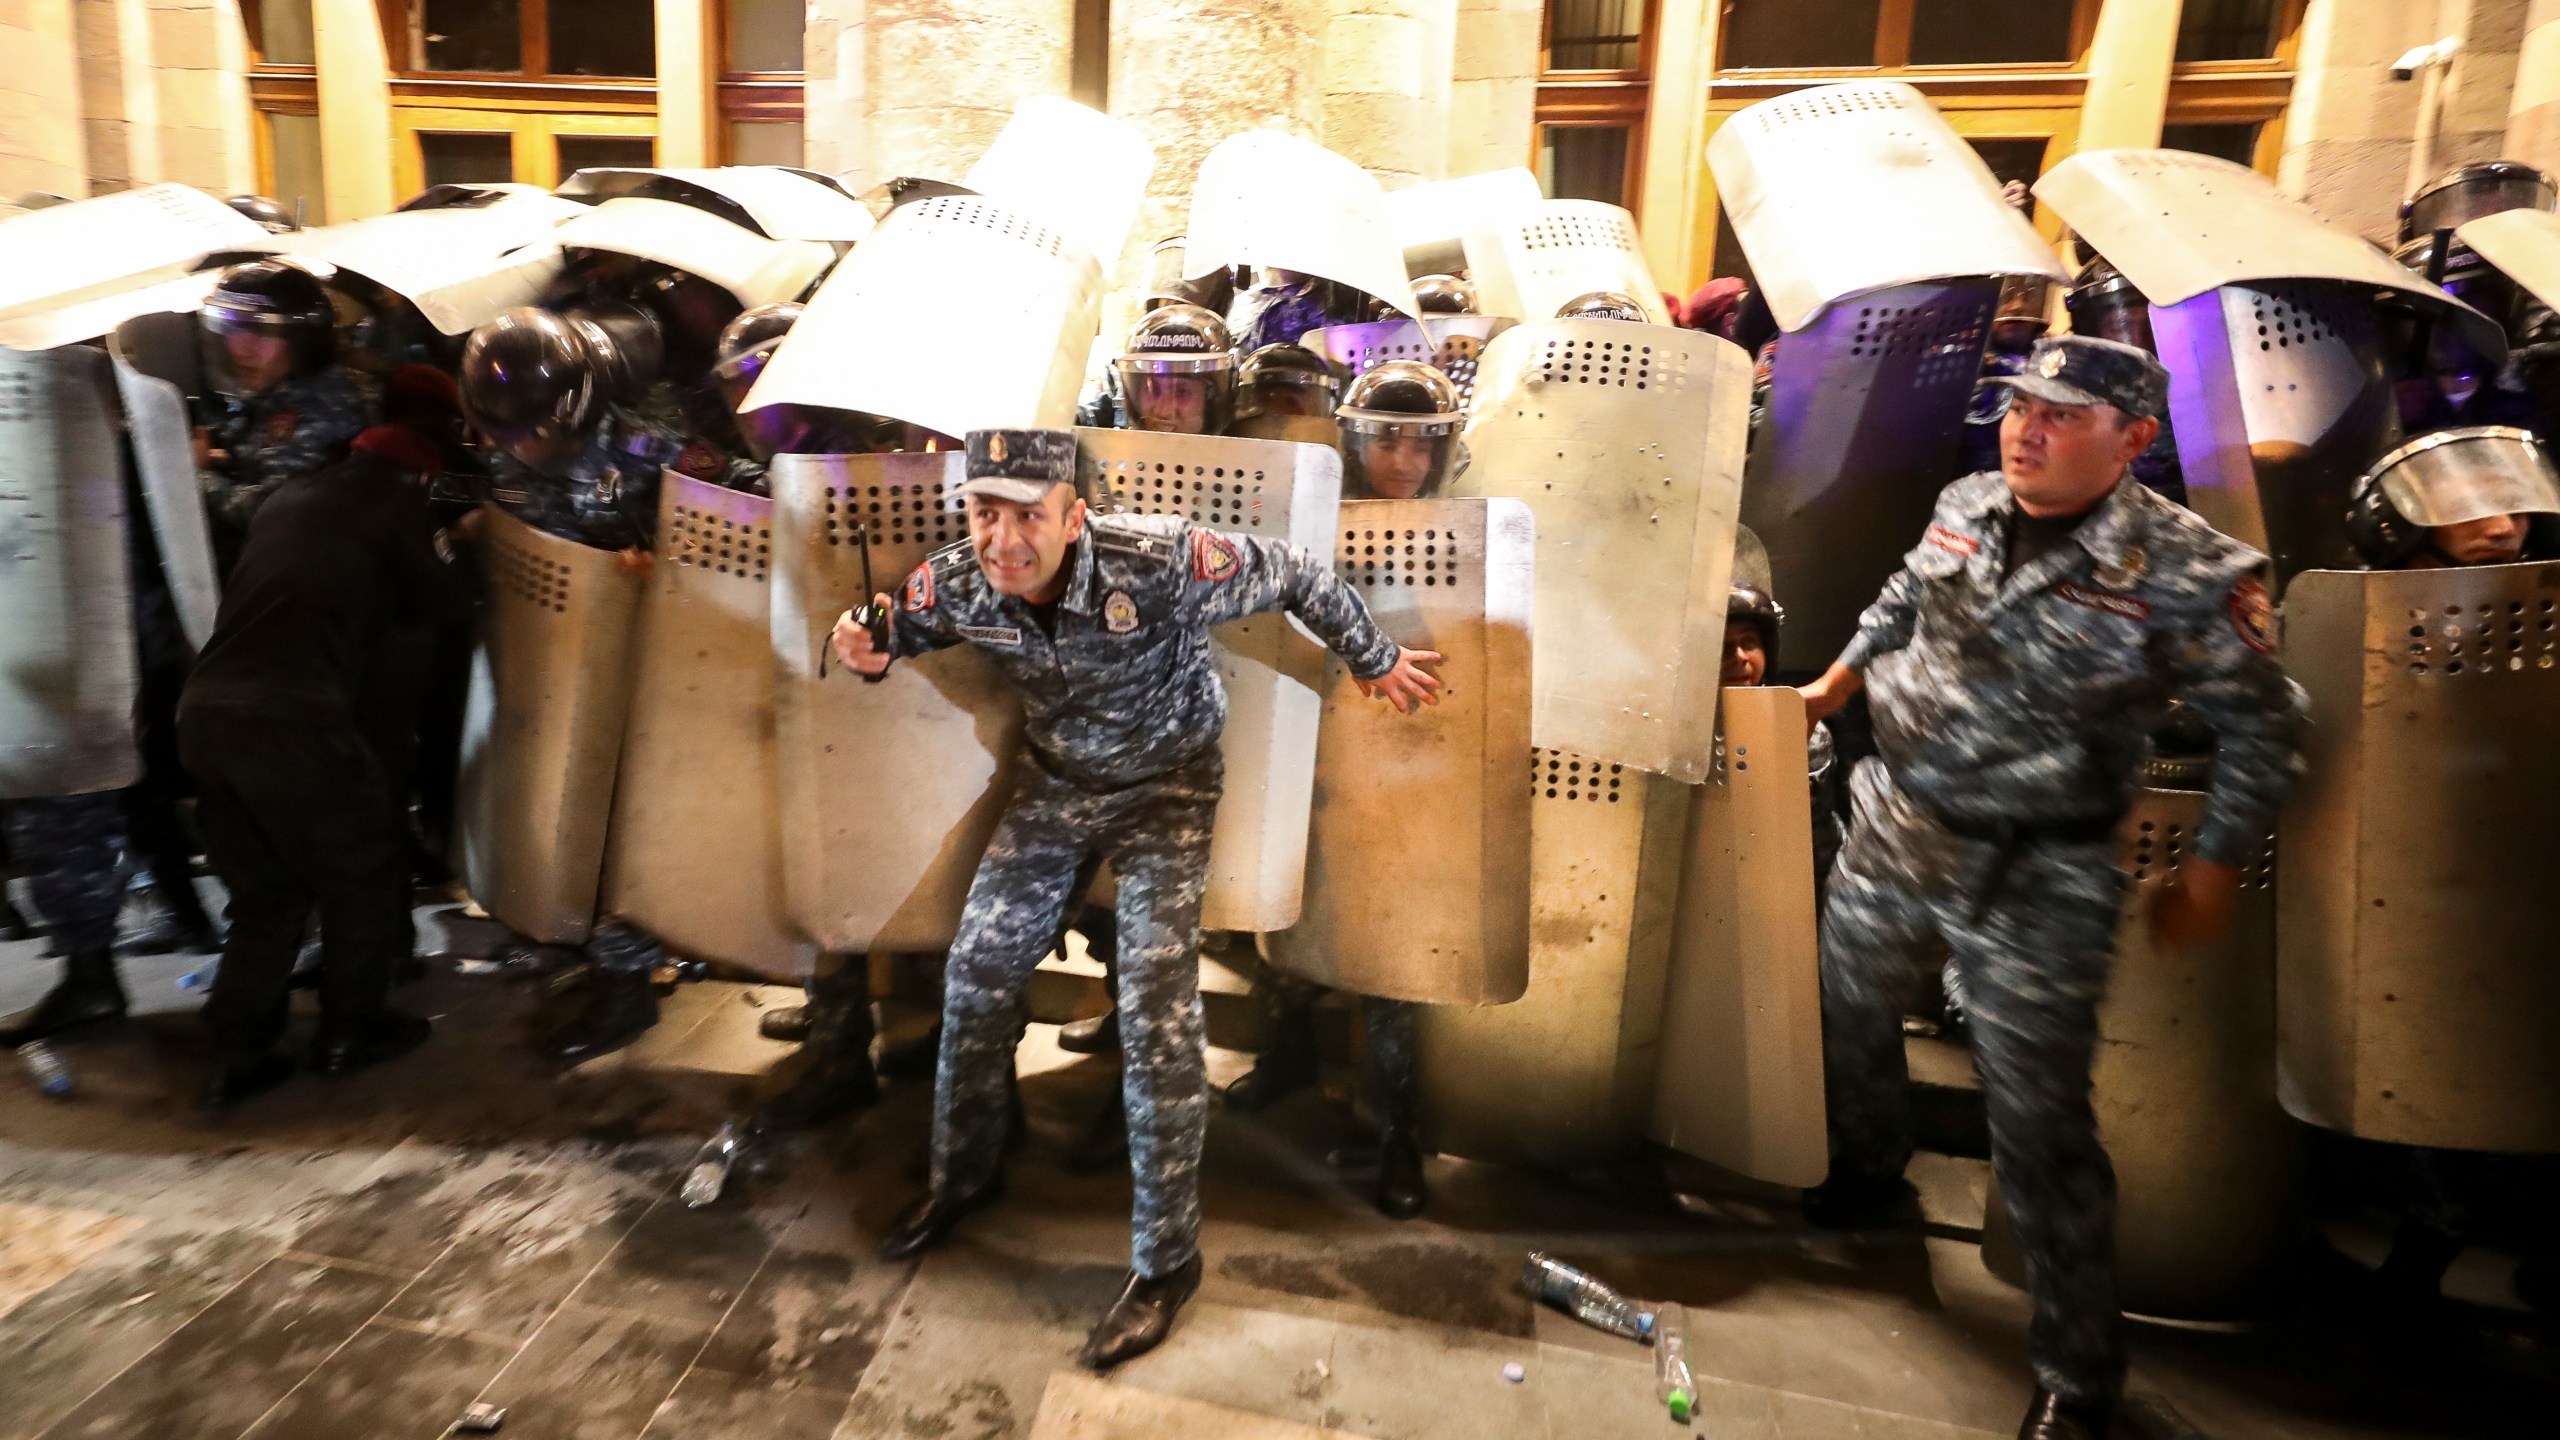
<point>754,96</point>
<point>1598,99</point>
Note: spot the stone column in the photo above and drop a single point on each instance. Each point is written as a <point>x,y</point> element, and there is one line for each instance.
<point>356,175</point>
<point>2129,60</point>
<point>833,102</point>
<point>2351,137</point>
<point>1386,84</point>
<point>1677,207</point>
<point>688,102</point>
<point>2533,113</point>
<point>1493,90</point>
<point>198,71</point>
<point>42,144</point>
<point>119,106</point>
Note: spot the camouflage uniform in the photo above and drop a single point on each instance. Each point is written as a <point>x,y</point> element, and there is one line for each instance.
<point>291,428</point>
<point>1123,709</point>
<point>2010,716</point>
<point>69,844</point>
<point>608,497</point>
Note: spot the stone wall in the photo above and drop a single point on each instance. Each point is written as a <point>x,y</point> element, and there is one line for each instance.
<point>920,87</point>
<point>1387,84</point>
<point>2533,115</point>
<point>41,146</point>
<point>2351,137</point>
<point>1493,89</point>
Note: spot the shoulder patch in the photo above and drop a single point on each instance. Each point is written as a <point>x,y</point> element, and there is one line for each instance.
<point>919,596</point>
<point>282,424</point>
<point>698,461</point>
<point>2253,615</point>
<point>1213,556</point>
<point>1955,540</point>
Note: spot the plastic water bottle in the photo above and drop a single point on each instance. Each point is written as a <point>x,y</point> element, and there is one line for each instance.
<point>52,1078</point>
<point>1584,1298</point>
<point>712,1164</point>
<point>1672,1382</point>
<point>201,977</point>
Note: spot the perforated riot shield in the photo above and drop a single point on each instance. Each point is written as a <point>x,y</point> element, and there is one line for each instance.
<point>1865,417</point>
<point>1267,198</point>
<point>889,790</point>
<point>1070,167</point>
<point>1626,443</point>
<point>1741,1078</point>
<point>154,358</point>
<point>1417,883</point>
<point>694,853</point>
<point>461,266</point>
<point>993,316</point>
<point>2418,1000</point>
<point>1839,191</point>
<point>1566,1076</point>
<point>112,244</point>
<point>1452,343</point>
<point>66,604</point>
<point>1528,263</point>
<point>1431,221</point>
<point>542,732</point>
<point>1268,489</point>
<point>756,270</point>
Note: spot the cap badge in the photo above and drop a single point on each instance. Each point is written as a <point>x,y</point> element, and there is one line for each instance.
<point>995,448</point>
<point>2050,367</point>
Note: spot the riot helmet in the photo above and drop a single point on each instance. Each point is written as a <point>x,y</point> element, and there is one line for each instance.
<point>1444,295</point>
<point>268,211</point>
<point>1603,305</point>
<point>2025,305</point>
<point>628,346</point>
<point>1177,374</point>
<point>2457,478</point>
<point>530,383</point>
<point>1284,380</point>
<point>692,314</point>
<point>2104,304</point>
<point>263,322</point>
<point>1751,611</point>
<point>2466,192</point>
<point>2463,274</point>
<point>1399,426</point>
<point>748,344</point>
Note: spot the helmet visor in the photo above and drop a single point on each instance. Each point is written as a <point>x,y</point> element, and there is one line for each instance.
<point>1177,397</point>
<point>1286,392</point>
<point>2455,476</point>
<point>1397,462</point>
<point>247,347</point>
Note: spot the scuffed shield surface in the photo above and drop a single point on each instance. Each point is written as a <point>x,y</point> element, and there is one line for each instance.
<point>1270,490</point>
<point>116,243</point>
<point>1266,198</point>
<point>1527,263</point>
<point>1625,441</point>
<point>155,417</point>
<point>66,605</point>
<point>1452,343</point>
<point>695,849</point>
<point>2418,1002</point>
<point>1431,221</point>
<point>889,790</point>
<point>1417,880</point>
<point>542,734</point>
<point>2524,245</point>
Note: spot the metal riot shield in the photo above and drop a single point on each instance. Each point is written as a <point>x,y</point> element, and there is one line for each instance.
<point>756,270</point>
<point>2524,245</point>
<point>1452,343</point>
<point>775,201</point>
<point>1431,221</point>
<point>1865,418</point>
<point>1626,442</point>
<point>694,853</point>
<point>1266,489</point>
<point>1566,1076</point>
<point>460,266</point>
<point>957,314</point>
<point>66,644</point>
<point>2208,1166</point>
<point>1741,1080</point>
<point>889,790</point>
<point>1839,191</point>
<point>102,314</point>
<point>155,419</point>
<point>1265,198</point>
<point>1529,263</point>
<point>114,244</point>
<point>2417,997</point>
<point>542,731</point>
<point>1069,167</point>
<point>1417,883</point>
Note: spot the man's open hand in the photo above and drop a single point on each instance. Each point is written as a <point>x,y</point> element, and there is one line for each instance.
<point>854,646</point>
<point>1408,687</point>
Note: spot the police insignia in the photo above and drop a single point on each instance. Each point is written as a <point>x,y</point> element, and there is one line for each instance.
<point>282,424</point>
<point>920,590</point>
<point>990,634</point>
<point>2254,616</point>
<point>1213,558</point>
<point>2052,363</point>
<point>1946,539</point>
<point>995,448</point>
<point>1120,613</point>
<point>700,462</point>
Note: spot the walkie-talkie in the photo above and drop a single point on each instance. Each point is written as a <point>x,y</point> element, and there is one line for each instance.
<point>871,615</point>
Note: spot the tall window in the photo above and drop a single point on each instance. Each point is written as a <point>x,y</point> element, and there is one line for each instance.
<point>570,38</point>
<point>763,81</point>
<point>1595,81</point>
<point>284,90</point>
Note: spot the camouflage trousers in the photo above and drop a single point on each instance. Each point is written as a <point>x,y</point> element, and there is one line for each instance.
<point>67,845</point>
<point>1156,837</point>
<point>2033,957</point>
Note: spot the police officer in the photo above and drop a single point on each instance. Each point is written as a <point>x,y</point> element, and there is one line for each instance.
<point>2410,514</point>
<point>1400,423</point>
<point>1177,373</point>
<point>2015,665</point>
<point>566,458</point>
<point>2105,305</point>
<point>269,339</point>
<point>1752,619</point>
<point>1101,625</point>
<point>1286,392</point>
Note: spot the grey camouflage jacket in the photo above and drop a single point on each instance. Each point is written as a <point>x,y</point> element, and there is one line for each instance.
<point>2030,701</point>
<point>1128,687</point>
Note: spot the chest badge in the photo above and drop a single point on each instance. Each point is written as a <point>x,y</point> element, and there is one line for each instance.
<point>282,424</point>
<point>1119,613</point>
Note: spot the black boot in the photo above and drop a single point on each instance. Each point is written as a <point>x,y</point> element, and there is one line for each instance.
<point>1103,1141</point>
<point>172,922</point>
<point>88,993</point>
<point>1288,1065</point>
<point>928,1222</point>
<point>786,1023</point>
<point>1397,1080</point>
<point>1093,1035</point>
<point>386,1036</point>
<point>1401,1192</point>
<point>830,1075</point>
<point>617,998</point>
<point>1861,1202</point>
<point>2050,1417</point>
<point>1139,1320</point>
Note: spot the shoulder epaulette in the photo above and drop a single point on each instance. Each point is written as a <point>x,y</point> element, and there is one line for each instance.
<point>1150,536</point>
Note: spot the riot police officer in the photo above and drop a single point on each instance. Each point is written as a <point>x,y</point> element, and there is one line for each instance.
<point>566,459</point>
<point>2477,496</point>
<point>1101,625</point>
<point>1752,620</point>
<point>1400,425</point>
<point>1286,392</point>
<point>2015,664</point>
<point>270,352</point>
<point>1178,372</point>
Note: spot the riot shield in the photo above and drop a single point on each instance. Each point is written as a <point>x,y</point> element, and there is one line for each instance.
<point>1265,198</point>
<point>66,644</point>
<point>1626,443</point>
<point>775,201</point>
<point>1417,883</point>
<point>1527,264</point>
<point>158,358</point>
<point>1431,221</point>
<point>889,790</point>
<point>2524,245</point>
<point>101,314</point>
<point>1267,489</point>
<point>956,315</point>
<point>2417,998</point>
<point>1840,191</point>
<point>114,244</point>
<point>1452,343</point>
<point>460,266</point>
<point>1865,419</point>
<point>542,731</point>
<point>1741,1079</point>
<point>756,270</point>
<point>1566,1076</point>
<point>1070,167</point>
<point>694,853</point>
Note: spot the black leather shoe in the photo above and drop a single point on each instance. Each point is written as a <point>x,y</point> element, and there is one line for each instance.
<point>88,994</point>
<point>386,1036</point>
<point>1401,1193</point>
<point>1863,1203</point>
<point>928,1222</point>
<point>1283,1070</point>
<point>618,1007</point>
<point>2050,1418</point>
<point>786,1023</point>
<point>1139,1320</point>
<point>1093,1035</point>
<point>1103,1143</point>
<point>232,1081</point>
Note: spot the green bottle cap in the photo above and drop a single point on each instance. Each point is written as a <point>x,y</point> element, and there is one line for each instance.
<point>1680,1408</point>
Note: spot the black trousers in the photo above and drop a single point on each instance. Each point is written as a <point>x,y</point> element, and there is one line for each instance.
<point>298,817</point>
